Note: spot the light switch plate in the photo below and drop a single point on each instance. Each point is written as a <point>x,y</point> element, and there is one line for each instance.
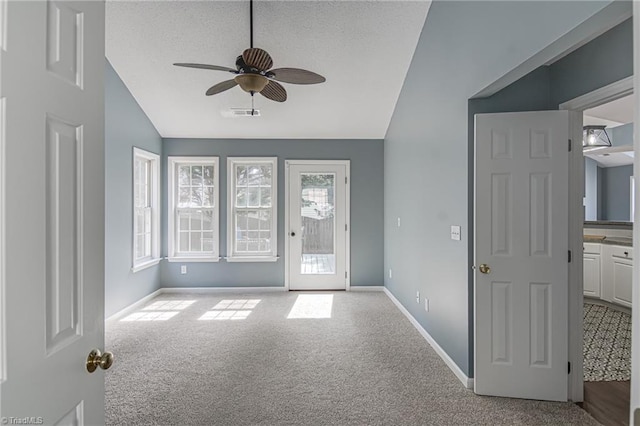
<point>455,232</point>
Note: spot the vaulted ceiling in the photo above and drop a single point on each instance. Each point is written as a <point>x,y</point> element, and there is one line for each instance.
<point>363,48</point>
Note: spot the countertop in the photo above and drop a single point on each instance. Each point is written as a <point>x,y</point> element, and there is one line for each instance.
<point>616,241</point>
<point>608,224</point>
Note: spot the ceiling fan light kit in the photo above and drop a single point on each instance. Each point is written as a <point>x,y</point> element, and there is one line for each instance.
<point>254,74</point>
<point>251,82</point>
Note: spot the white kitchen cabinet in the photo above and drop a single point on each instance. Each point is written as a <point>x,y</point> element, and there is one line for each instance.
<point>617,267</point>
<point>591,270</point>
<point>591,274</point>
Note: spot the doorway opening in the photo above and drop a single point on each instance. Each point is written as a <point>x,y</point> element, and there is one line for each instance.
<point>607,259</point>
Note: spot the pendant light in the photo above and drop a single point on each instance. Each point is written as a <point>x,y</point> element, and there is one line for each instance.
<point>595,136</point>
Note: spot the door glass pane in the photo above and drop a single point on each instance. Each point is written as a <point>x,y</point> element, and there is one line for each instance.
<point>318,223</point>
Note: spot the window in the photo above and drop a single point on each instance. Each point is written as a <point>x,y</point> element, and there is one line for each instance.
<point>252,216</point>
<point>193,209</point>
<point>146,209</point>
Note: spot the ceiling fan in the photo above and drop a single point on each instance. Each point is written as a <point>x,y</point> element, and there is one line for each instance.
<point>254,73</point>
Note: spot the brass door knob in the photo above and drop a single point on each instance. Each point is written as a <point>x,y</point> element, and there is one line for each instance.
<point>98,359</point>
<point>484,268</point>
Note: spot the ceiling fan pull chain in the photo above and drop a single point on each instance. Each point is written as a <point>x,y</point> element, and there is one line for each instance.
<point>253,109</point>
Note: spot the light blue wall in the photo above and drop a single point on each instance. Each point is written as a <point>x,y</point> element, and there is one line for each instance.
<point>614,186</point>
<point>126,126</point>
<point>590,189</point>
<point>602,61</point>
<point>613,182</point>
<point>464,47</point>
<point>366,209</point>
<point>621,135</point>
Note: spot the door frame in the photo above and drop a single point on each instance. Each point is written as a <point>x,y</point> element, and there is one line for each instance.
<point>611,92</point>
<point>347,165</point>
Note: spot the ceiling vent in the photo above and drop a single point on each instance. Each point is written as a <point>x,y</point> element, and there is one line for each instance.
<point>241,112</point>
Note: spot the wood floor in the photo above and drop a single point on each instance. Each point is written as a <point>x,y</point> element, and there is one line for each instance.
<point>608,402</point>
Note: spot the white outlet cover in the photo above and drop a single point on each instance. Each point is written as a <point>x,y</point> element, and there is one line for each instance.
<point>426,304</point>
<point>398,222</point>
<point>390,273</point>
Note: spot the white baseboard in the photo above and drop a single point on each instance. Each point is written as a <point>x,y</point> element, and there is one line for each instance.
<point>466,381</point>
<point>221,289</point>
<point>134,305</point>
<point>366,288</point>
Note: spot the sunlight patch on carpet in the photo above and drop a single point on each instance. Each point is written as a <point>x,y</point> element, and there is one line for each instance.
<point>169,305</point>
<point>312,306</point>
<point>150,316</point>
<point>237,309</point>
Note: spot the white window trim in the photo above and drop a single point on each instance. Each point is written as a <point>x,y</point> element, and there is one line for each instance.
<point>171,189</point>
<point>139,265</point>
<point>252,257</point>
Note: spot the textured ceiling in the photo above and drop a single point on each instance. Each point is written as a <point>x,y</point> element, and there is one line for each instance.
<point>363,48</point>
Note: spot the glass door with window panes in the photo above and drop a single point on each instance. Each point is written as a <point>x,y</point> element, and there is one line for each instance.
<point>318,231</point>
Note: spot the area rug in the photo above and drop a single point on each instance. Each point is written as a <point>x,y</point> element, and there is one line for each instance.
<point>607,344</point>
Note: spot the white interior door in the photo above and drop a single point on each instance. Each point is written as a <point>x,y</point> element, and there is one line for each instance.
<point>521,254</point>
<point>317,225</point>
<point>52,203</point>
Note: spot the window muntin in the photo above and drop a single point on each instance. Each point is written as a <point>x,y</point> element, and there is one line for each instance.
<point>252,208</point>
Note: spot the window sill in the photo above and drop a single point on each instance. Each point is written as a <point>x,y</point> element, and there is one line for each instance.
<point>252,259</point>
<point>194,259</point>
<point>145,265</point>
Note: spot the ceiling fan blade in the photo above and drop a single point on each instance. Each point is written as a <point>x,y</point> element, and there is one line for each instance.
<point>296,76</point>
<point>221,87</point>
<point>257,58</point>
<point>207,67</point>
<point>274,91</point>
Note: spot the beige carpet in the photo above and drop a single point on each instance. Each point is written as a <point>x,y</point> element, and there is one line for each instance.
<point>292,359</point>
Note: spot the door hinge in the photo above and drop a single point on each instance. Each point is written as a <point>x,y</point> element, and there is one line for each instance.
<point>345,227</point>
<point>569,368</point>
<point>345,180</point>
<point>569,256</point>
<point>569,145</point>
<point>345,275</point>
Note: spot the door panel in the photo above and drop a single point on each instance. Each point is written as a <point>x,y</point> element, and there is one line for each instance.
<point>52,175</point>
<point>521,227</point>
<point>622,281</point>
<point>317,228</point>
<point>591,274</point>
